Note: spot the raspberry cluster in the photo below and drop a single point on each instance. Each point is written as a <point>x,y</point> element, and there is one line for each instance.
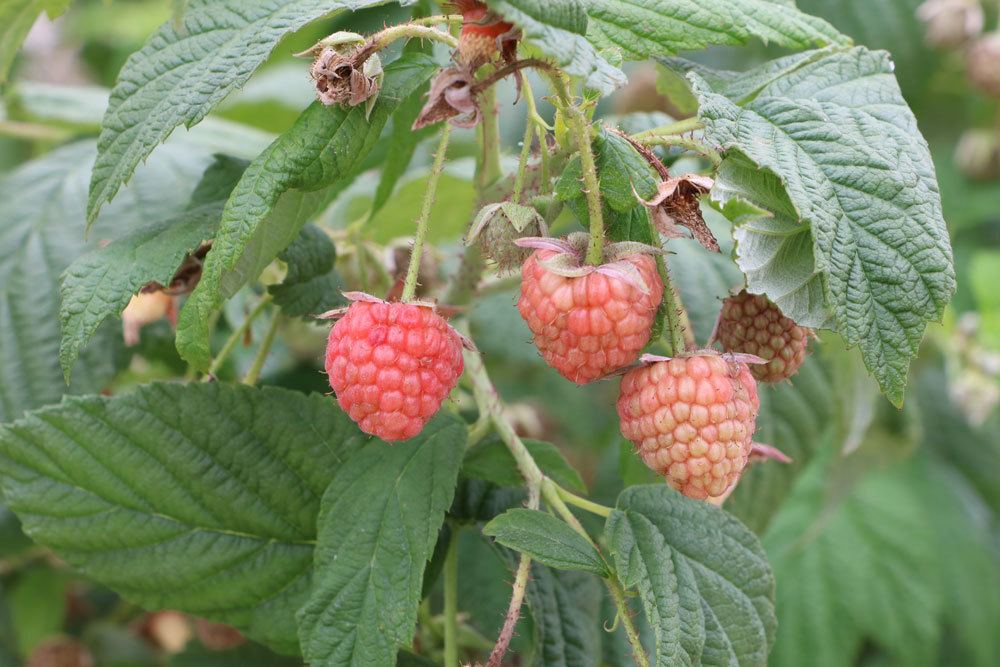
<point>391,366</point>
<point>589,325</point>
<point>692,420</point>
<point>752,324</point>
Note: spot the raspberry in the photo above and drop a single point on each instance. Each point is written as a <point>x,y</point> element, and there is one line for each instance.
<point>752,324</point>
<point>691,419</point>
<point>588,321</point>
<point>391,365</point>
<point>983,63</point>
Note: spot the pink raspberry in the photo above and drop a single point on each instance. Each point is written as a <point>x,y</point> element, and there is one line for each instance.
<point>391,366</point>
<point>752,324</point>
<point>589,325</point>
<point>692,420</point>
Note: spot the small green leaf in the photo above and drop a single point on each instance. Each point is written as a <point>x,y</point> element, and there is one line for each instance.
<point>282,189</point>
<point>311,286</point>
<point>565,607</point>
<point>37,603</point>
<point>197,497</point>
<point>377,528</point>
<point>645,28</point>
<point>557,29</point>
<point>546,539</point>
<point>185,70</point>
<point>16,19</point>
<point>622,171</point>
<point>703,577</point>
<point>852,161</point>
<point>100,283</point>
<point>491,461</point>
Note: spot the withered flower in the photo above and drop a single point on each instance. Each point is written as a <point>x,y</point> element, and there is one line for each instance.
<point>345,71</point>
<point>677,203</point>
<point>452,98</point>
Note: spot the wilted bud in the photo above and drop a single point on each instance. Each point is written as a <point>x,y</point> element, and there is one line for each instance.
<point>678,202</point>
<point>450,98</point>
<point>218,636</point>
<point>60,652</point>
<point>496,228</point>
<point>145,308</point>
<point>344,73</point>
<point>978,154</point>
<point>951,23</point>
<point>983,64</point>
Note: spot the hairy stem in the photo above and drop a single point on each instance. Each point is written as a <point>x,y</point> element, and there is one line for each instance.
<point>625,614</point>
<point>450,574</point>
<point>410,286</point>
<point>488,170</point>
<point>677,324</point>
<point>680,127</point>
<point>411,30</point>
<point>518,590</point>
<point>687,143</point>
<point>237,336</point>
<point>265,347</point>
<point>522,165</point>
<point>583,503</point>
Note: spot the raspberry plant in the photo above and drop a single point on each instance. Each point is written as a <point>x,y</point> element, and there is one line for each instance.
<point>667,262</point>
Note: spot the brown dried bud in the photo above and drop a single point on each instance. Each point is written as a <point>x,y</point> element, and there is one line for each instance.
<point>983,63</point>
<point>218,636</point>
<point>345,71</point>
<point>678,202</point>
<point>951,23</point>
<point>451,97</point>
<point>496,228</point>
<point>60,652</point>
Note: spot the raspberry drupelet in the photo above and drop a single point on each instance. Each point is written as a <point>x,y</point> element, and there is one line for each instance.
<point>752,324</point>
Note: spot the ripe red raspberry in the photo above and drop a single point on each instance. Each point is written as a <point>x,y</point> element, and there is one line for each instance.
<point>752,324</point>
<point>588,321</point>
<point>482,33</point>
<point>691,419</point>
<point>391,365</point>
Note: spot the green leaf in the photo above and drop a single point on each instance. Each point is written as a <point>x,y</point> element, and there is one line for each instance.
<point>281,189</point>
<point>198,497</point>
<point>100,283</point>
<point>377,528</point>
<point>557,29</point>
<point>645,28</point>
<point>16,19</point>
<point>704,580</point>
<point>40,235</point>
<point>185,70</point>
<point>565,608</point>
<point>37,603</point>
<point>546,539</point>
<point>847,150</point>
<point>311,286</point>
<point>621,170</point>
<point>247,655</point>
<point>860,569</point>
<point>491,461</point>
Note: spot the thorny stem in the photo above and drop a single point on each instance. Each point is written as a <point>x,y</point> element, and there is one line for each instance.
<point>410,286</point>
<point>237,336</point>
<point>489,402</point>
<point>674,313</point>
<point>688,143</point>
<point>450,574</point>
<point>518,590</point>
<point>265,347</point>
<point>680,127</point>
<point>411,30</point>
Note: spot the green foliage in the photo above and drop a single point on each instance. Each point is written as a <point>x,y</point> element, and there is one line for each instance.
<point>491,461</point>
<point>36,601</point>
<point>879,240</point>
<point>184,71</point>
<point>623,172</point>
<point>557,29</point>
<point>201,498</point>
<point>378,525</point>
<point>645,28</point>
<point>100,283</point>
<point>703,578</point>
<point>283,188</point>
<point>546,539</point>
<point>565,608</point>
<point>311,286</point>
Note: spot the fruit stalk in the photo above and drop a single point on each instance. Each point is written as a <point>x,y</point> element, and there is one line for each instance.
<point>410,286</point>
<point>236,337</point>
<point>265,347</point>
